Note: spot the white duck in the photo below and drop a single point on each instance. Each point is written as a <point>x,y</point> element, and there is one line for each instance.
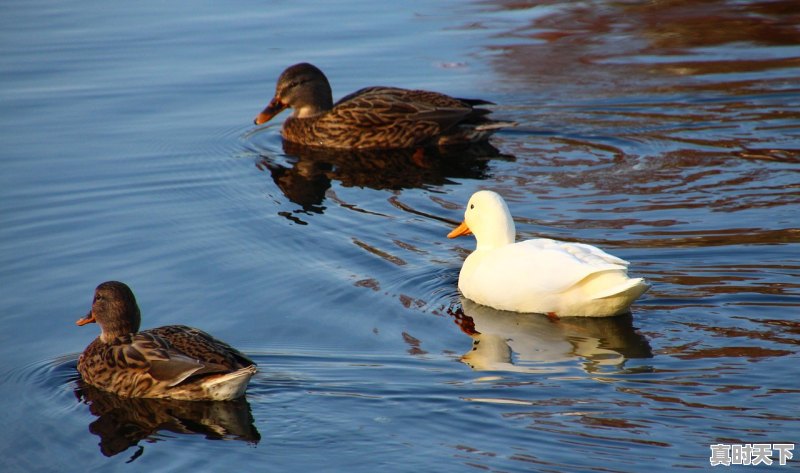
<point>540,275</point>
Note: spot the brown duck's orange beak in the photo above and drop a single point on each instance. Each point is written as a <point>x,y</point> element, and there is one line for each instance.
<point>275,107</point>
<point>460,230</point>
<point>89,319</point>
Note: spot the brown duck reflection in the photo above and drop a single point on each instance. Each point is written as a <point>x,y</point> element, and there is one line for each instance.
<point>123,422</point>
<point>307,180</point>
<point>510,341</point>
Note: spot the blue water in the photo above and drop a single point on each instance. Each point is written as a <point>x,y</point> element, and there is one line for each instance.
<point>668,134</point>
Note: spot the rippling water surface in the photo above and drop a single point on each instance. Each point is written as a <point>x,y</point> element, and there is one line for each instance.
<point>666,132</point>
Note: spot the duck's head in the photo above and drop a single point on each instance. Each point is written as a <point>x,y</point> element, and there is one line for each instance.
<point>489,352</point>
<point>302,87</point>
<point>488,218</point>
<point>114,308</point>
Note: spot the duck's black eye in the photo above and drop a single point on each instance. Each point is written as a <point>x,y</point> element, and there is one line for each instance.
<point>296,83</point>
<point>471,206</point>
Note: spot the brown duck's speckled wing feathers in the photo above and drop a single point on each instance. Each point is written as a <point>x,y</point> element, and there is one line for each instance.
<point>435,99</point>
<point>380,117</point>
<point>383,106</point>
<point>448,111</point>
<point>151,362</point>
<point>199,345</point>
<point>153,354</point>
<point>124,366</point>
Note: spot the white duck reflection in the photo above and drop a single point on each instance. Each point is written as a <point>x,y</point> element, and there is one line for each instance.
<point>511,341</point>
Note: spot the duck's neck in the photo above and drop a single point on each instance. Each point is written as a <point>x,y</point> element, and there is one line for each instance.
<point>496,236</point>
<point>310,110</point>
<point>313,101</point>
<point>119,327</point>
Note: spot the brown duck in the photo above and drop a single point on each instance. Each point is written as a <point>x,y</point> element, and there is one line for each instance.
<point>174,361</point>
<point>373,117</point>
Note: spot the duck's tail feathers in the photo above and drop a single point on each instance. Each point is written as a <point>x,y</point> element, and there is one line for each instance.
<point>476,102</point>
<point>633,288</point>
<point>229,386</point>
<point>494,125</point>
<point>468,133</point>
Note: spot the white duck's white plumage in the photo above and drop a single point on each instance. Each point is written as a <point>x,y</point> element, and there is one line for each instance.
<point>540,275</point>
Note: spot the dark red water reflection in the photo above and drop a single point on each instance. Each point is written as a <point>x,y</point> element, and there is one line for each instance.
<point>669,131</point>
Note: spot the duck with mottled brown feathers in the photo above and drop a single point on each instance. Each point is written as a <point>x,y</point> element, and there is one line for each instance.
<point>174,361</point>
<point>373,117</point>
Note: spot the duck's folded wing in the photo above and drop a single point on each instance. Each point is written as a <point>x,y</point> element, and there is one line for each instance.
<point>377,107</point>
<point>198,344</point>
<point>161,361</point>
<point>543,266</point>
<point>592,254</point>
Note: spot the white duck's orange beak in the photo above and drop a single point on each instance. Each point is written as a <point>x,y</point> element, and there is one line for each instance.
<point>460,230</point>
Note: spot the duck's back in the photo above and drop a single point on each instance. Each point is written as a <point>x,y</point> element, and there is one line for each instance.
<point>533,275</point>
<point>421,98</point>
<point>199,345</point>
<point>386,117</point>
